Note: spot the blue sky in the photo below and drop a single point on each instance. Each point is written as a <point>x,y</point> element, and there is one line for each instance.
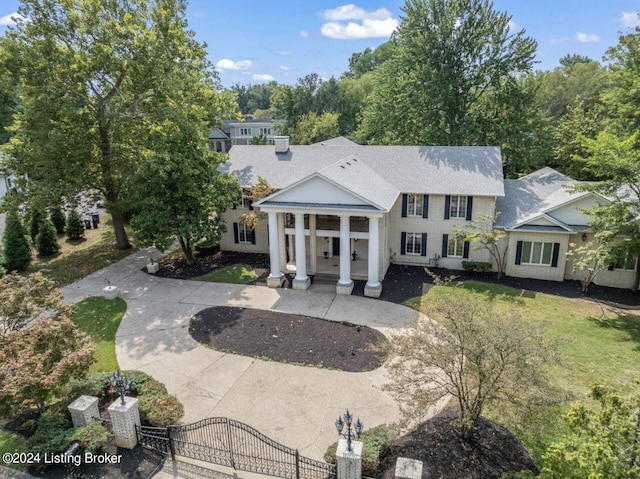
<point>257,41</point>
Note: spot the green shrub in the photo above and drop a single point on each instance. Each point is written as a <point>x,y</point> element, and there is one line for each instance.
<point>96,384</point>
<point>47,239</point>
<point>160,411</point>
<point>17,252</point>
<point>477,266</point>
<point>153,387</point>
<point>374,443</point>
<point>91,437</point>
<point>35,220</point>
<point>58,220</point>
<point>51,435</point>
<point>75,226</point>
<point>138,379</point>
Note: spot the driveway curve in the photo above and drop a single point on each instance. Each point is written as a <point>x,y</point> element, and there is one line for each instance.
<point>294,405</point>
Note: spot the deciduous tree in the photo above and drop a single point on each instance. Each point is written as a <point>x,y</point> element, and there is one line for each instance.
<point>482,234</point>
<point>93,76</point>
<point>450,57</point>
<point>474,353</point>
<point>590,259</point>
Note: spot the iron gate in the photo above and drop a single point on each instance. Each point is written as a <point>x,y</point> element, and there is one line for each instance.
<point>230,443</point>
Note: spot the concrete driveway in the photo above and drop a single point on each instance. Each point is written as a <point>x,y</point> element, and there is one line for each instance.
<point>294,405</point>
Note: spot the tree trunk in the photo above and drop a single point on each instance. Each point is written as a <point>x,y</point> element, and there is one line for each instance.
<point>122,240</point>
<point>186,249</point>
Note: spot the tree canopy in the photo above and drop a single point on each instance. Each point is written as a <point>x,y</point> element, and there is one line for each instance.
<point>95,77</point>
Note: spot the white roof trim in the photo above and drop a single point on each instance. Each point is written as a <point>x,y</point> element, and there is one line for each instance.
<point>544,216</point>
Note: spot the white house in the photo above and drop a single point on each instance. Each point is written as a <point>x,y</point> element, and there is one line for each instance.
<point>349,211</point>
<point>234,132</point>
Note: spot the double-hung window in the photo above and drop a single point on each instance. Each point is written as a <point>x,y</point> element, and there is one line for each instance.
<point>414,205</point>
<point>535,252</point>
<point>414,243</point>
<point>244,233</point>
<point>458,207</point>
<point>455,249</point>
<point>626,262</point>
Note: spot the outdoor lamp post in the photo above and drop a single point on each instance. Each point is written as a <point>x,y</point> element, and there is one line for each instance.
<point>121,384</point>
<point>340,423</point>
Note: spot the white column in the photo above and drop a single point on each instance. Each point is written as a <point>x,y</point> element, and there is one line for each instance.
<point>301,281</point>
<point>345,285</point>
<point>125,418</point>
<point>313,244</point>
<point>275,277</point>
<point>282,242</point>
<point>373,288</point>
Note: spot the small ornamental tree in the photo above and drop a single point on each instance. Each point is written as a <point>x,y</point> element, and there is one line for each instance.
<point>75,226</point>
<point>590,260</point>
<point>483,235</point>
<point>258,191</point>
<point>27,298</point>
<point>476,354</point>
<point>17,252</point>
<point>47,239</point>
<point>58,220</point>
<point>38,360</point>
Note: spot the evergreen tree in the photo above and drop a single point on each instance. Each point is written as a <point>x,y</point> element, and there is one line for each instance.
<point>47,239</point>
<point>17,253</point>
<point>75,226</point>
<point>35,220</point>
<point>58,220</point>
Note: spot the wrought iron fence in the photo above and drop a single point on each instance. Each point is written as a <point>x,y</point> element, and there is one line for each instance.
<point>234,444</point>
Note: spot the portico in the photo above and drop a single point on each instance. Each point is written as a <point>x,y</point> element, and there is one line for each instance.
<point>326,216</point>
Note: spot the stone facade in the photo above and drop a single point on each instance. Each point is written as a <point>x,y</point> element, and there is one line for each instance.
<point>83,410</point>
<point>125,418</point>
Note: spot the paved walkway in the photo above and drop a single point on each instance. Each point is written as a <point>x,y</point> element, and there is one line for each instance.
<point>294,405</point>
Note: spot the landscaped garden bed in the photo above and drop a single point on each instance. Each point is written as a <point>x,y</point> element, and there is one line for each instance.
<point>174,265</point>
<point>289,338</point>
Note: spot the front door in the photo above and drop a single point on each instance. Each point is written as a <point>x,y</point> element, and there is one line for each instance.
<point>336,246</point>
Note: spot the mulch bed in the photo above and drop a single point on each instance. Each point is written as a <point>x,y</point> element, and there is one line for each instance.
<point>177,268</point>
<point>490,452</point>
<point>404,282</point>
<point>289,338</point>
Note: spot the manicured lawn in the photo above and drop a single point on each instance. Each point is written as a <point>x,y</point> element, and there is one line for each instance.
<point>12,443</point>
<point>236,274</point>
<point>597,344</point>
<point>79,258</point>
<point>100,318</point>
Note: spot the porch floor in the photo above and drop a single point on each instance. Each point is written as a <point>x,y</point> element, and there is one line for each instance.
<point>331,267</point>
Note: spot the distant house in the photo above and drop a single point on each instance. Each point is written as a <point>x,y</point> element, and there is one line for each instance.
<point>234,132</point>
<point>349,211</point>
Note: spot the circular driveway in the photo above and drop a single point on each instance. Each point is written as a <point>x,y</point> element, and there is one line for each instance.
<point>294,405</point>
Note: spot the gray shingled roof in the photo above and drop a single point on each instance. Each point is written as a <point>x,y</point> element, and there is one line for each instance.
<point>532,195</point>
<point>354,175</point>
<point>409,169</point>
<point>337,141</point>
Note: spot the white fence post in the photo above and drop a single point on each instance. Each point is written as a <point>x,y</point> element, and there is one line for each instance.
<point>83,410</point>
<point>125,418</point>
<point>349,463</point>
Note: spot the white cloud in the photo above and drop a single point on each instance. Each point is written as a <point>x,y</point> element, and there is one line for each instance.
<point>9,19</point>
<point>375,24</point>
<point>284,67</point>
<point>513,26</point>
<point>304,34</point>
<point>559,40</point>
<point>226,64</point>
<point>352,12</point>
<point>262,77</point>
<point>588,37</point>
<point>630,19</point>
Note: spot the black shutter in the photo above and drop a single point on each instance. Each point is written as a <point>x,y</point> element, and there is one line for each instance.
<point>250,204</point>
<point>554,257</point>
<point>423,250</point>
<point>403,243</point>
<point>611,267</point>
<point>425,206</point>
<point>445,245</point>
<point>253,236</point>
<point>236,237</point>
<point>447,206</point>
<point>518,252</point>
<point>465,250</point>
<point>405,199</point>
<point>469,206</point>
